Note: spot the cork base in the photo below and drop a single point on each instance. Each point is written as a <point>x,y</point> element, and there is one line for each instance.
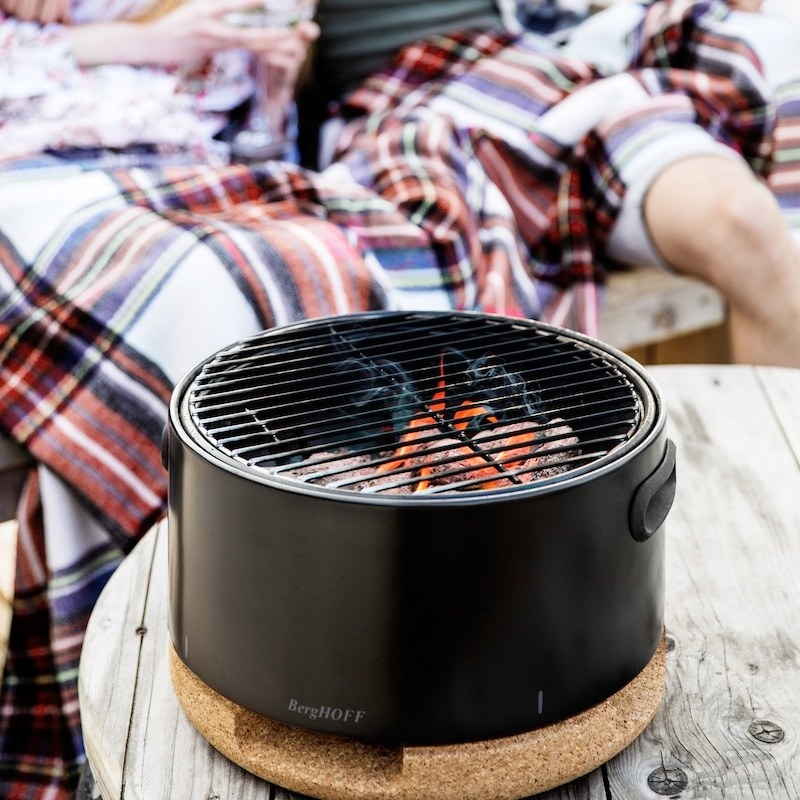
<point>332,767</point>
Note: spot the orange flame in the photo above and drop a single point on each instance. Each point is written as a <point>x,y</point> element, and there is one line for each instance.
<point>512,451</point>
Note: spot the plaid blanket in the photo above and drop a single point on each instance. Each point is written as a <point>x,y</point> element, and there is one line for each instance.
<point>480,172</point>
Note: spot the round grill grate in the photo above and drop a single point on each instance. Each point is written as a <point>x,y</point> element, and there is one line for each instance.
<point>416,403</point>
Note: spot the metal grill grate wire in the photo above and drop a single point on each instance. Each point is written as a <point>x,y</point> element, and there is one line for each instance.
<point>292,402</point>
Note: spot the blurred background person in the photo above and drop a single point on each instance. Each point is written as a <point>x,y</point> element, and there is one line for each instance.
<point>129,82</point>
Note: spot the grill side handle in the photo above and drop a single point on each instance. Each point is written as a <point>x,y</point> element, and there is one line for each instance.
<point>654,497</point>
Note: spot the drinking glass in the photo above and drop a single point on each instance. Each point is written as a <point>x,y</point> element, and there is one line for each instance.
<point>256,140</point>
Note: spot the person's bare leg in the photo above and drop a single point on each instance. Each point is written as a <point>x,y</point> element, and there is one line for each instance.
<point>711,218</point>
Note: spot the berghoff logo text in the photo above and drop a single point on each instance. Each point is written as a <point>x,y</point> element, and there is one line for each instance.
<point>327,712</point>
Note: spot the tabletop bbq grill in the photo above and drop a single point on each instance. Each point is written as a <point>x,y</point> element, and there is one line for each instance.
<point>416,529</point>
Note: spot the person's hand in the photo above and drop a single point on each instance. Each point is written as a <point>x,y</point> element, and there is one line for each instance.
<point>198,29</point>
<point>43,11</point>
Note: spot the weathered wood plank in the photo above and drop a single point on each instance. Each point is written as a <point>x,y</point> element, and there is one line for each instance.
<point>780,387</point>
<point>733,553</point>
<point>107,677</point>
<point>646,306</point>
<point>707,346</point>
<point>166,757</point>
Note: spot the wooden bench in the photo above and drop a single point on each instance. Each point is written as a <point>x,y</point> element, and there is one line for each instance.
<point>660,317</point>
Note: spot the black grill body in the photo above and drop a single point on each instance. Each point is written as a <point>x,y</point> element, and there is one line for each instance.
<point>433,616</point>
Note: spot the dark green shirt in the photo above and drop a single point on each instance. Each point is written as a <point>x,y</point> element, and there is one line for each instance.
<point>358,36</point>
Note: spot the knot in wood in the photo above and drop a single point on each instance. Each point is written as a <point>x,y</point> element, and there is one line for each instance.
<point>667,780</point>
<point>766,731</point>
<point>665,318</point>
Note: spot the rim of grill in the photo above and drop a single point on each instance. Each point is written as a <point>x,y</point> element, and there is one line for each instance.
<point>302,404</point>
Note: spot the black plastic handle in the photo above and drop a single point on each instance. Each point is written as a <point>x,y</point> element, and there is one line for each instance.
<point>654,498</point>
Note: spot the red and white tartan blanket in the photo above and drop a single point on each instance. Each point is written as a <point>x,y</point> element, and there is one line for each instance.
<point>480,172</point>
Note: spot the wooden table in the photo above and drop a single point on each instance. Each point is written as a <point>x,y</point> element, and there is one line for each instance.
<point>729,726</point>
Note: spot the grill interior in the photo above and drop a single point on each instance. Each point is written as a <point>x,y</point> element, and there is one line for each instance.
<point>481,402</point>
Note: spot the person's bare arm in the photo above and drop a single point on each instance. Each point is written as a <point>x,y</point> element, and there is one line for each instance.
<point>192,31</point>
